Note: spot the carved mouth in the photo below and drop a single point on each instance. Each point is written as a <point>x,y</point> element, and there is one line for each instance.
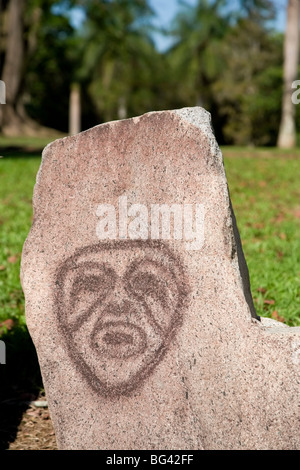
<point>119,340</point>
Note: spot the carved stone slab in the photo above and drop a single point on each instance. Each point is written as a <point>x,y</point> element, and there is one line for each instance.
<point>138,298</point>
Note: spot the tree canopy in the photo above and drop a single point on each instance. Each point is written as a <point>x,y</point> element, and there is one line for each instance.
<point>225,56</point>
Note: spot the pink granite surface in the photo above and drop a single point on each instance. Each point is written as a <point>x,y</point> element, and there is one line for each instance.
<point>146,335</point>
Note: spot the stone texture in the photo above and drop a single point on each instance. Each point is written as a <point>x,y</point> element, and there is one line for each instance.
<point>151,343</point>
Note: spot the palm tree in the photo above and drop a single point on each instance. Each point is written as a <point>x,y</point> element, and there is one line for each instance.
<point>287,130</point>
<point>198,31</point>
<point>114,45</point>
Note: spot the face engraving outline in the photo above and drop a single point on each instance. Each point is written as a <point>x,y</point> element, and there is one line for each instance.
<point>116,336</point>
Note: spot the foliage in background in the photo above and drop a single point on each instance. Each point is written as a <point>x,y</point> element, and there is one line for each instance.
<point>225,57</point>
<point>248,92</point>
<point>49,70</point>
<point>120,65</point>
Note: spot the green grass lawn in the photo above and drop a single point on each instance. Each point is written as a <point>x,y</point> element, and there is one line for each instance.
<point>265,194</point>
<point>19,163</point>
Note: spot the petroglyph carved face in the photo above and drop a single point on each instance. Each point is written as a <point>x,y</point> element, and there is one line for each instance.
<point>119,305</point>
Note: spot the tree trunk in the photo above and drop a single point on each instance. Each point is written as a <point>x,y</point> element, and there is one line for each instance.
<point>13,64</point>
<point>75,110</point>
<point>287,130</point>
<point>122,108</point>
<point>2,92</point>
<point>14,120</point>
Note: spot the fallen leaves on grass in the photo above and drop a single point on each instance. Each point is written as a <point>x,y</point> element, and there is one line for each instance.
<point>6,325</point>
<point>258,225</point>
<point>280,217</point>
<point>35,431</point>
<point>13,259</point>
<point>275,316</point>
<point>262,290</point>
<point>296,213</point>
<point>269,302</point>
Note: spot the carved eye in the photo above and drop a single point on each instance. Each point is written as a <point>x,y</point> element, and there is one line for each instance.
<point>150,282</point>
<point>92,281</point>
<point>147,284</point>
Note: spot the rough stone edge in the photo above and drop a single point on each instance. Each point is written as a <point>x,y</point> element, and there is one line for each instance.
<point>201,118</point>
<point>273,326</point>
<point>197,116</point>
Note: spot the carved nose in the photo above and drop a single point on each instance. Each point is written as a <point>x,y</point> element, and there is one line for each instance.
<point>118,308</point>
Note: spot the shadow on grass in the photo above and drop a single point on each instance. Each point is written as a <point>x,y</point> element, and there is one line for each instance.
<point>20,152</point>
<point>20,382</point>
